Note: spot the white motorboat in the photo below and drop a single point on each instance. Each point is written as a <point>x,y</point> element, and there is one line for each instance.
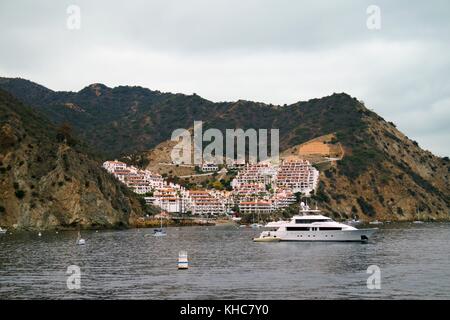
<point>353,222</point>
<point>267,238</point>
<point>3,231</point>
<point>159,232</point>
<point>313,226</point>
<point>375,222</point>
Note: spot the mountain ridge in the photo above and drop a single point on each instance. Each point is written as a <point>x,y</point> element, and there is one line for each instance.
<point>383,171</point>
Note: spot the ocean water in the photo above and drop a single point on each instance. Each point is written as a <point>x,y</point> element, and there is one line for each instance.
<point>414,262</point>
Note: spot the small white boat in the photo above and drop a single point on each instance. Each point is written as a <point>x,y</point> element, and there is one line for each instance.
<point>375,222</point>
<point>266,238</point>
<point>183,262</point>
<point>237,219</point>
<point>417,222</point>
<point>160,232</point>
<point>80,241</point>
<point>3,231</point>
<point>256,225</point>
<point>39,234</point>
<point>353,222</point>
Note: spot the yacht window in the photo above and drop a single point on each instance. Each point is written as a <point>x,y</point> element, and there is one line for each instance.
<point>329,228</point>
<point>297,228</point>
<point>310,220</point>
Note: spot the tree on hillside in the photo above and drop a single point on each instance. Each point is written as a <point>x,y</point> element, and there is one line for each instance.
<point>64,133</point>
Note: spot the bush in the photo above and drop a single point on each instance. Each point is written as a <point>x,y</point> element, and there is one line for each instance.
<point>366,207</point>
<point>355,164</point>
<point>320,195</point>
<point>20,194</point>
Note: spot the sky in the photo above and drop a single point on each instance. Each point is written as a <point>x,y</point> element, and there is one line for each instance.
<point>272,51</point>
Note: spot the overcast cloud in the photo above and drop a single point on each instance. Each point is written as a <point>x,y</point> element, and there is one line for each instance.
<point>271,51</point>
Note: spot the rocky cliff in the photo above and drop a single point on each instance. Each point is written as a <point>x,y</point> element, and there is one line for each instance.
<point>47,182</point>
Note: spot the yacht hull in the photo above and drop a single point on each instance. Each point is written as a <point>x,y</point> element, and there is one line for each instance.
<point>358,235</point>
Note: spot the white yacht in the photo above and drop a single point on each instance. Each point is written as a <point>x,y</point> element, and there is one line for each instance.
<point>2,231</point>
<point>313,226</point>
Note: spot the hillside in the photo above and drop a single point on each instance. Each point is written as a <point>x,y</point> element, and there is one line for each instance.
<point>383,174</point>
<point>47,182</point>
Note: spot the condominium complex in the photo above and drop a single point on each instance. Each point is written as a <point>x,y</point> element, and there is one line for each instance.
<point>140,181</point>
<point>169,197</point>
<point>258,206</point>
<point>264,188</point>
<point>257,188</point>
<point>260,173</point>
<point>298,176</point>
<point>204,202</point>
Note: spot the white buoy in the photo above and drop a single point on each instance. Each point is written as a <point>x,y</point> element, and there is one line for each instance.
<point>39,234</point>
<point>183,260</point>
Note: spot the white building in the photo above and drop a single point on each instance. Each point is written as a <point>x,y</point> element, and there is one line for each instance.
<point>112,166</point>
<point>169,199</point>
<point>257,206</point>
<point>283,199</point>
<point>258,184</point>
<point>205,202</point>
<point>298,176</point>
<point>209,167</point>
<point>140,181</point>
<point>263,173</point>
